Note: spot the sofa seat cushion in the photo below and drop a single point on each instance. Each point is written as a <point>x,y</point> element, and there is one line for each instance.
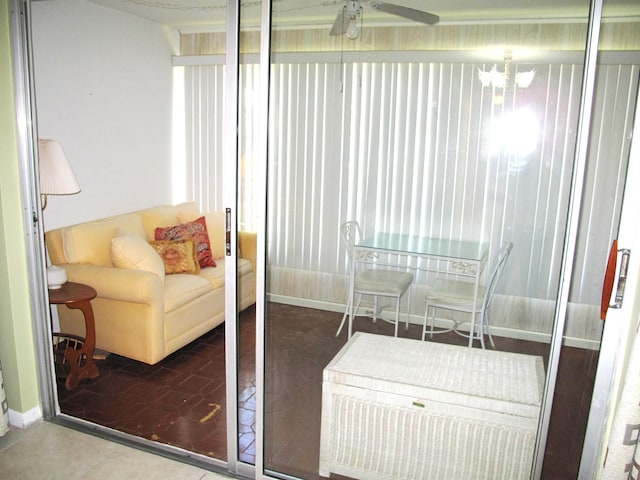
<point>244,267</point>
<point>182,288</point>
<point>215,275</point>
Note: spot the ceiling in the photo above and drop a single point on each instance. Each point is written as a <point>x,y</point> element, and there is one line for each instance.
<point>211,14</point>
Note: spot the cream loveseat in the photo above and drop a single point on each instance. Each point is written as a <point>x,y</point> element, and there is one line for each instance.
<point>141,311</point>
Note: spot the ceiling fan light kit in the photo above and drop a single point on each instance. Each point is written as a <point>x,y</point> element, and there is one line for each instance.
<point>352,30</point>
<point>346,21</point>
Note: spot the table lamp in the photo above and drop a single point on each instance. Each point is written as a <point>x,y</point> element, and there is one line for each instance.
<point>56,178</point>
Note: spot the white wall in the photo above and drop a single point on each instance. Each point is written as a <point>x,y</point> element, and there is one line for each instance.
<point>104,89</point>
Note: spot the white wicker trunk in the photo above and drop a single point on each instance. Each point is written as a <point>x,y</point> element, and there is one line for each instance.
<point>395,408</point>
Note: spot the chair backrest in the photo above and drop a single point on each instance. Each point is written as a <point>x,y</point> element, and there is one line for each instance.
<point>497,267</point>
<point>351,234</point>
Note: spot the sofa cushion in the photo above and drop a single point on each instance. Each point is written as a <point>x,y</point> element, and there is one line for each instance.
<point>188,209</point>
<point>179,256</point>
<point>216,275</point>
<point>134,252</point>
<point>166,216</point>
<point>153,218</point>
<point>181,289</point>
<point>197,230</point>
<point>91,242</point>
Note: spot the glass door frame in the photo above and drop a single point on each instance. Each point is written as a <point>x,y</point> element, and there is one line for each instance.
<point>571,234</point>
<point>570,237</point>
<point>261,222</point>
<point>20,31</point>
<point>232,202</point>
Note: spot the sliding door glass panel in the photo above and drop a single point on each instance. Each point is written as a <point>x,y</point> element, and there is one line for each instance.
<point>617,83</point>
<point>465,131</point>
<point>210,180</point>
<point>138,87</point>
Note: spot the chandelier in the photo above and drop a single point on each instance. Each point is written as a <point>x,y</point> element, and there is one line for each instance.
<point>502,80</point>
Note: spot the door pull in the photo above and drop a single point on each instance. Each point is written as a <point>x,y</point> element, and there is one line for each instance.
<point>609,279</point>
<point>227,240</point>
<point>622,278</point>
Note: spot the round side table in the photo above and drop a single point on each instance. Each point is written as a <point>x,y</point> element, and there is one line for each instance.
<point>80,360</point>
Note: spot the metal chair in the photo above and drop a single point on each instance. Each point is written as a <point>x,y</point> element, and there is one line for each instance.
<point>366,278</point>
<point>458,295</point>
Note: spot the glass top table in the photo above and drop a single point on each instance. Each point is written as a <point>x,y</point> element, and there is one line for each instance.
<point>452,257</point>
<point>427,246</point>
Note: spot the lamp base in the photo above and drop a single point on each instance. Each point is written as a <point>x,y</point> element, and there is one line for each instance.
<point>56,277</point>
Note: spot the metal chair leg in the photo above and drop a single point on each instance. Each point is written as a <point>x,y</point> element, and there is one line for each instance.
<point>480,329</point>
<point>485,321</point>
<point>375,308</point>
<point>353,313</point>
<point>433,320</point>
<point>395,330</point>
<point>344,317</point>
<point>408,309</point>
<point>424,322</point>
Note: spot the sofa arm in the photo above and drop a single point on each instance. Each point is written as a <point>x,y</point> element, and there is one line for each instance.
<point>248,243</point>
<point>122,284</point>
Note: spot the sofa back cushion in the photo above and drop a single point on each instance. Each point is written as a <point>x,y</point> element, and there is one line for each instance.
<point>166,216</point>
<point>91,242</point>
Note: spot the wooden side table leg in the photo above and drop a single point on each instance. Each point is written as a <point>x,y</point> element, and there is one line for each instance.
<point>81,361</point>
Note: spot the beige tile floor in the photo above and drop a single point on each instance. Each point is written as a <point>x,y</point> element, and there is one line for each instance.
<point>46,451</point>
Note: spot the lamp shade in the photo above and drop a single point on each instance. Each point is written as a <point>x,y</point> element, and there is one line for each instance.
<point>56,176</point>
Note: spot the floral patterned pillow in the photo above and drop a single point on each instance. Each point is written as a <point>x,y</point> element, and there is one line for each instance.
<point>178,256</point>
<point>197,230</point>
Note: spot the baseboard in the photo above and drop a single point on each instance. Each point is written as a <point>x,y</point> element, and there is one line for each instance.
<point>24,419</point>
<point>416,319</point>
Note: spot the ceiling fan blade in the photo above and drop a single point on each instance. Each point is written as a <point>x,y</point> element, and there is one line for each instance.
<point>340,25</point>
<point>406,12</point>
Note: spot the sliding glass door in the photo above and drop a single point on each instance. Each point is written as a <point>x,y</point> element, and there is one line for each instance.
<point>146,108</point>
<point>470,129</point>
<point>482,126</point>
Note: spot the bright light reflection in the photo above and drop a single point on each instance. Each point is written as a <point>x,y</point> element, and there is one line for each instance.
<point>515,133</point>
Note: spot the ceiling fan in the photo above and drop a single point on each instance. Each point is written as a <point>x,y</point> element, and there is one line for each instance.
<point>346,21</point>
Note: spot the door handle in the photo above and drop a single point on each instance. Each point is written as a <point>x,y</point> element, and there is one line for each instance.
<point>622,278</point>
<point>227,239</point>
<point>609,279</point>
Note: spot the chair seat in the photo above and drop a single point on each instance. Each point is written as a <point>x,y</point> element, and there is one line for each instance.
<point>387,282</point>
<point>459,295</point>
<point>454,292</point>
<point>365,279</point>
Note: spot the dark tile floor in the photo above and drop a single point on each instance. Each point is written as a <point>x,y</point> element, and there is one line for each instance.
<point>181,400</point>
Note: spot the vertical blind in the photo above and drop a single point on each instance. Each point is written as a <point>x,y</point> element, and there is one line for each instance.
<point>424,149</point>
<point>204,117</point>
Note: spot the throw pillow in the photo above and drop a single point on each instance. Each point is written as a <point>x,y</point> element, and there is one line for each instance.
<point>178,256</point>
<point>133,252</point>
<point>196,230</point>
<point>216,226</point>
